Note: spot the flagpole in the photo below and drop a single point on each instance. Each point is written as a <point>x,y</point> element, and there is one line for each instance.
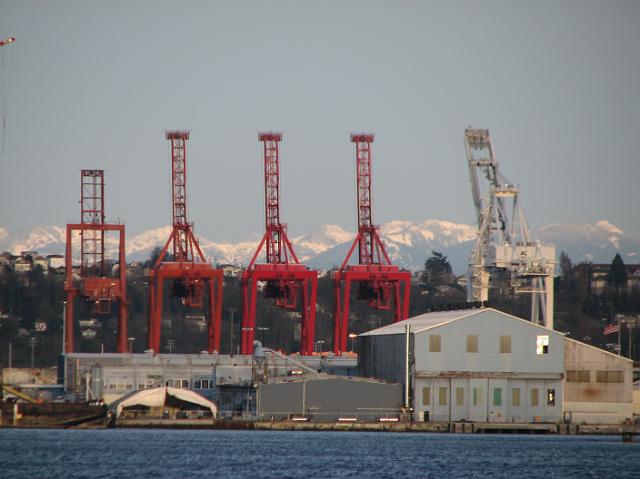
<point>619,336</point>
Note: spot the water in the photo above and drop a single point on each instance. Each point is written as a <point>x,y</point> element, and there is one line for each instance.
<point>130,453</point>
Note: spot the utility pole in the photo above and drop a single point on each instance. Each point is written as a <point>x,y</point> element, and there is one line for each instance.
<point>64,324</point>
<point>231,311</point>
<point>32,344</point>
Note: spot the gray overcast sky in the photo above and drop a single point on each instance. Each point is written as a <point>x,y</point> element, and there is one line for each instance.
<point>95,84</point>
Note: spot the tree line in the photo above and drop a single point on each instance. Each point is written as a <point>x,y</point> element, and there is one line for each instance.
<point>36,297</point>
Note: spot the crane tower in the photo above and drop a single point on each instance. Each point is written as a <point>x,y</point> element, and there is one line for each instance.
<point>379,281</point>
<point>93,281</point>
<point>286,278</point>
<point>187,266</point>
<point>504,253</point>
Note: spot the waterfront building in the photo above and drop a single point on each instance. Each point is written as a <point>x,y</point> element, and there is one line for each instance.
<point>484,365</point>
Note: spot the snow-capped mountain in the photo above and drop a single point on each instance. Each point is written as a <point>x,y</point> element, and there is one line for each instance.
<point>597,243</point>
<point>409,243</point>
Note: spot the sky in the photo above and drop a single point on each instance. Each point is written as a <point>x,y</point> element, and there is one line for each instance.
<point>94,84</point>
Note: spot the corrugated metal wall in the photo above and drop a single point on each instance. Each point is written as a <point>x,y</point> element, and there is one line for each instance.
<point>329,399</point>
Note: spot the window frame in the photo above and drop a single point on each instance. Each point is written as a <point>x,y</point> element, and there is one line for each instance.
<point>435,343</point>
<point>442,396</point>
<point>472,343</point>
<point>426,395</point>
<point>515,394</point>
<point>505,344</point>
<point>542,344</point>
<point>497,396</point>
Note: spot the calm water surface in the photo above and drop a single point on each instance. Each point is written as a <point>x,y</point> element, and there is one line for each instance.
<point>156,454</point>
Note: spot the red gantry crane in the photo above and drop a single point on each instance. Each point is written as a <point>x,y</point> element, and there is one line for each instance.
<point>378,279</point>
<point>285,277</point>
<point>93,281</point>
<point>187,266</point>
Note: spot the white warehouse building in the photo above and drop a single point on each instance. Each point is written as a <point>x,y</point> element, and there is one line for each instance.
<point>484,365</point>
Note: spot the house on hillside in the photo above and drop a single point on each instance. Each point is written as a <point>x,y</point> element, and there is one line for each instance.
<point>22,265</point>
<point>42,262</point>
<point>55,262</point>
<point>597,273</point>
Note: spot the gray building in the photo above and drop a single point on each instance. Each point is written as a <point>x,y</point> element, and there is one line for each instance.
<point>226,380</point>
<point>329,398</point>
<point>472,365</point>
<point>484,365</point>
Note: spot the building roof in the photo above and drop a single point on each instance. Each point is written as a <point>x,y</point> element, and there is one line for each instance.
<point>158,397</point>
<point>432,320</point>
<point>423,321</point>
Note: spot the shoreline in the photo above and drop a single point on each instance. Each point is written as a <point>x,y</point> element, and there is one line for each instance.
<point>628,431</point>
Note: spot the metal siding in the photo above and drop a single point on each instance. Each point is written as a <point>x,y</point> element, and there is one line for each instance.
<point>489,326</point>
<point>498,412</point>
<point>382,357</point>
<point>329,399</point>
<point>479,411</point>
<point>280,400</point>
<point>460,412</point>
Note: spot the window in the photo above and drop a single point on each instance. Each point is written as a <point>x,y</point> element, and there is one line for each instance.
<point>459,396</point>
<point>185,384</point>
<point>197,384</point>
<point>442,396</point>
<point>207,384</point>
<point>609,376</point>
<point>434,343</point>
<point>472,343</point>
<point>515,397</point>
<point>551,397</point>
<point>505,344</point>
<point>426,396</point>
<point>534,397</point>
<point>477,396</point>
<point>497,396</point>
<point>578,376</point>
<point>542,344</point>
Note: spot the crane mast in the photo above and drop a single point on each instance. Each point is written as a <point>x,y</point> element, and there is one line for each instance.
<point>379,280</point>
<point>93,281</point>
<point>287,280</point>
<point>191,275</point>
<point>504,253</point>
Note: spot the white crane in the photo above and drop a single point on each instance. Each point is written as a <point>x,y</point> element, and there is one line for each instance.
<point>504,255</point>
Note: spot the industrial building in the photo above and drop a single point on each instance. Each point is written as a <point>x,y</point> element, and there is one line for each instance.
<point>226,380</point>
<point>329,399</point>
<point>484,365</point>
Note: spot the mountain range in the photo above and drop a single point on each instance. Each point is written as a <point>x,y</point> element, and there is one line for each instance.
<point>409,243</point>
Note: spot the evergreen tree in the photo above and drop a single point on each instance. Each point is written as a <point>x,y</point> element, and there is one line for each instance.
<point>437,271</point>
<point>617,277</point>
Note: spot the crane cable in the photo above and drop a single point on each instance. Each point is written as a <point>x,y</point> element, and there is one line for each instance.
<point>6,57</point>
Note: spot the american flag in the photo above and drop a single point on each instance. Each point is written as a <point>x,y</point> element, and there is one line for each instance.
<point>611,328</point>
